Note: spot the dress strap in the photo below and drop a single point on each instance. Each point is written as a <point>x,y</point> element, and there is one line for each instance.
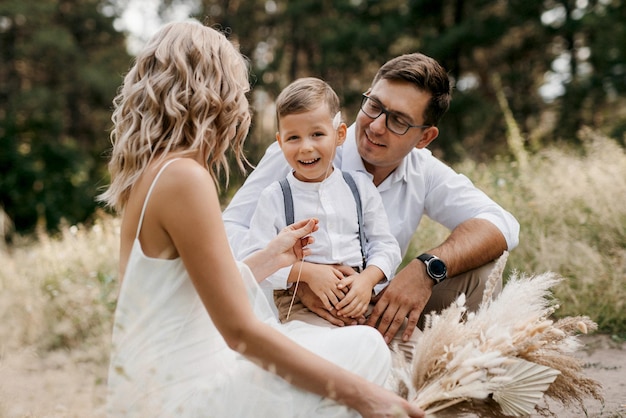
<point>145,202</point>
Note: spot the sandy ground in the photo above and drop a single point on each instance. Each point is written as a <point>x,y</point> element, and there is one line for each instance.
<point>72,384</point>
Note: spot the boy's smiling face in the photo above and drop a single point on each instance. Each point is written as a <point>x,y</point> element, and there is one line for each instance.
<point>308,141</point>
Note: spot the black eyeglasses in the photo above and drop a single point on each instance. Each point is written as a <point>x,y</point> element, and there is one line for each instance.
<point>373,109</point>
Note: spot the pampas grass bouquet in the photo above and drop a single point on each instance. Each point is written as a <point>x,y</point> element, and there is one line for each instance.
<point>502,358</point>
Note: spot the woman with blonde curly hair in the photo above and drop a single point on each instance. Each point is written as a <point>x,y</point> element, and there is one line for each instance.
<point>193,334</point>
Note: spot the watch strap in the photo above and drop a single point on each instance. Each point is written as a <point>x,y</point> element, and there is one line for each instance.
<point>424,257</point>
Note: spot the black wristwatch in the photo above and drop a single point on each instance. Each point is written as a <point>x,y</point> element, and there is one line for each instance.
<point>435,267</point>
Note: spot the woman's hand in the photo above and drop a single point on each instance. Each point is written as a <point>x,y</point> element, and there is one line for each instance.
<point>385,404</point>
<point>289,246</point>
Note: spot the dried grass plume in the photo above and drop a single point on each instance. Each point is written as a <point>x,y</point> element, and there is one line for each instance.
<point>509,351</point>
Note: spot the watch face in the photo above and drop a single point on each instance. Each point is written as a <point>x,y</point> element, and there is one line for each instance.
<point>437,268</point>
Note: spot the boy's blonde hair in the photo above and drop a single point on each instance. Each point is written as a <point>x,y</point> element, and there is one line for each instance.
<point>306,94</point>
<point>186,93</point>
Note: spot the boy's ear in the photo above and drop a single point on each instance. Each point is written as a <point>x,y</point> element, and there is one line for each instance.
<point>342,132</point>
<point>279,140</point>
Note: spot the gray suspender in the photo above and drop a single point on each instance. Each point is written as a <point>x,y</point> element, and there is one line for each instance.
<point>359,213</point>
<point>289,216</point>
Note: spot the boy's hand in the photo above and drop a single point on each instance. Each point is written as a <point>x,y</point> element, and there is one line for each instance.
<point>313,303</point>
<point>356,301</point>
<point>325,284</point>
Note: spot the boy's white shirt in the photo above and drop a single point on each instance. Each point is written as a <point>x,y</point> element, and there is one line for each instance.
<point>337,240</point>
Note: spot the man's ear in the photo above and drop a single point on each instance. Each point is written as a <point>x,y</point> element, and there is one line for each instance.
<point>342,132</point>
<point>428,136</point>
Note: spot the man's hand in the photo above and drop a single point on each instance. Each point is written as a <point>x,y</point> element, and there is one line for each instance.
<point>406,295</point>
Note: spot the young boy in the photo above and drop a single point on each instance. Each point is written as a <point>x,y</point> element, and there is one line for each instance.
<point>309,130</point>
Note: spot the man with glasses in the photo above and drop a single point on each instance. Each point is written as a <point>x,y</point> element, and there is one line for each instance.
<point>397,121</point>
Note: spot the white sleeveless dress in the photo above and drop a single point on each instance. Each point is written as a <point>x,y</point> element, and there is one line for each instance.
<point>169,360</point>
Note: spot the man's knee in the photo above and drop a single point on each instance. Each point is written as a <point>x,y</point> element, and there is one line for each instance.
<point>480,284</point>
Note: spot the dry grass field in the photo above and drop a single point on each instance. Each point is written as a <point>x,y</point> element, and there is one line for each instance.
<point>57,293</point>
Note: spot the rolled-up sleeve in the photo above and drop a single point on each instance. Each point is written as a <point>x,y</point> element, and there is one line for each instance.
<point>451,199</point>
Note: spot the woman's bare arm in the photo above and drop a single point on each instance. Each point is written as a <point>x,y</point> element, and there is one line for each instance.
<point>189,211</point>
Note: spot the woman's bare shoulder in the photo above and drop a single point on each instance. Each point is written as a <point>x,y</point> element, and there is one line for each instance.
<point>184,175</point>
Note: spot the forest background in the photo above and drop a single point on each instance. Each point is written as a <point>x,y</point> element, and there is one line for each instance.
<point>538,116</point>
<point>528,74</point>
<point>538,121</point>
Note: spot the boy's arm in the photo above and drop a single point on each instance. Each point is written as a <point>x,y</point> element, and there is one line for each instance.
<point>238,214</point>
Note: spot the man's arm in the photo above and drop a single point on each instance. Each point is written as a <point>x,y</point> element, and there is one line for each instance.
<point>451,199</point>
<point>238,214</point>
<point>472,244</point>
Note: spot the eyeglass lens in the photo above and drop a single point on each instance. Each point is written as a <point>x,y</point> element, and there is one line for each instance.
<point>373,109</point>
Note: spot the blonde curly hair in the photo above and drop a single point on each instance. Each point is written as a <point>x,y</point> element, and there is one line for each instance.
<point>186,93</point>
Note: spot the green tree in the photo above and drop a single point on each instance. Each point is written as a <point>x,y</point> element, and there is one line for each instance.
<point>61,64</point>
<point>478,42</point>
<point>61,61</point>
<point>582,44</point>
<point>591,39</point>
<point>491,49</point>
<point>343,41</point>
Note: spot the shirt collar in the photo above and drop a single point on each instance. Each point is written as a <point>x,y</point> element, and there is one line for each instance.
<point>315,186</point>
<point>350,158</point>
